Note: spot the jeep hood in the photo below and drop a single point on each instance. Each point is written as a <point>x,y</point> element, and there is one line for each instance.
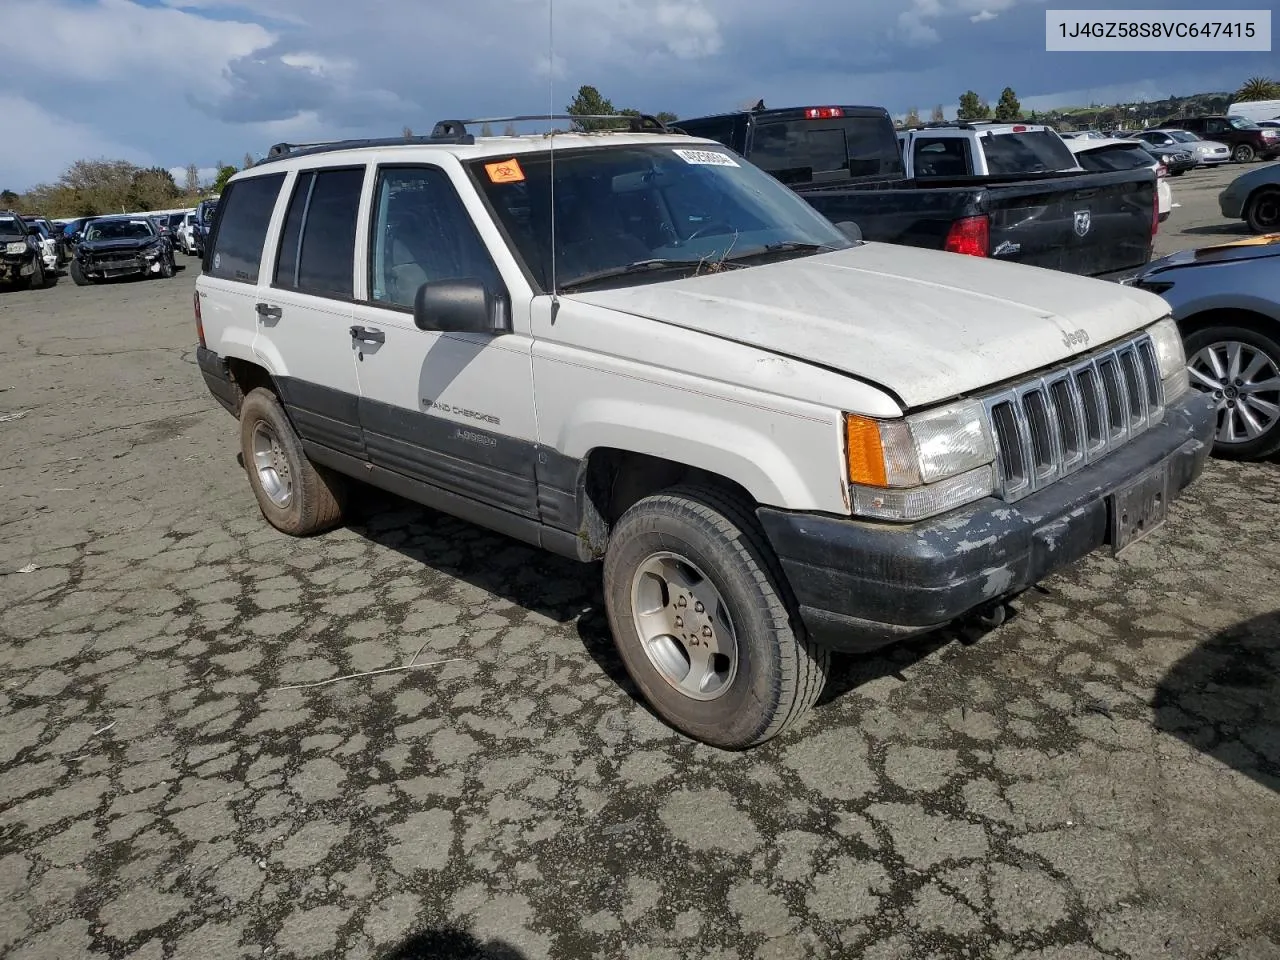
<point>924,324</point>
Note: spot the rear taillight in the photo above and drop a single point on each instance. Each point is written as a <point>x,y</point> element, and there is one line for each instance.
<point>970,236</point>
<point>1019,129</point>
<point>195,297</point>
<point>1162,170</point>
<point>823,113</point>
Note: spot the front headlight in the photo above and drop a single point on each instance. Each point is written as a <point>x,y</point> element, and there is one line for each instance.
<point>17,246</point>
<point>1171,358</point>
<point>921,465</point>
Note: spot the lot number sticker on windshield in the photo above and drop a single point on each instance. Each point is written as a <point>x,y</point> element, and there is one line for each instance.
<point>706,157</point>
<point>505,171</point>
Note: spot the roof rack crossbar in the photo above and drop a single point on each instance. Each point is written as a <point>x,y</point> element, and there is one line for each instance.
<point>636,123</point>
<point>281,150</point>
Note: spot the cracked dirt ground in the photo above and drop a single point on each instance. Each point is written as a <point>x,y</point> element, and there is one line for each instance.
<point>1100,777</point>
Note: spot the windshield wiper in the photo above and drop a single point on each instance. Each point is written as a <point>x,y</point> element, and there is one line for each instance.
<point>784,246</point>
<point>639,266</point>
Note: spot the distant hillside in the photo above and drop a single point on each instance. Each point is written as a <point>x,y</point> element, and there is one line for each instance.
<point>1149,113</point>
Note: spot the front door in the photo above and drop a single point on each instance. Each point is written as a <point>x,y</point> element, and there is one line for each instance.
<point>304,308</point>
<point>450,410</point>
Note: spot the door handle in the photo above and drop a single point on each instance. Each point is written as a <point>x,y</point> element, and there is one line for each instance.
<point>368,335</point>
<point>268,312</point>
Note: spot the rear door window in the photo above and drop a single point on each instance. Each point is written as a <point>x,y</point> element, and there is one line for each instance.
<point>241,231</point>
<point>798,151</point>
<point>318,243</point>
<point>1032,152</point>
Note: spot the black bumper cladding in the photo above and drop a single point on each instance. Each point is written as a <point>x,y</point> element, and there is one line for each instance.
<point>862,585</point>
<point>217,378</point>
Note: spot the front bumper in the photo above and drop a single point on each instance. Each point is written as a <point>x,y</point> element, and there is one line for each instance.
<point>116,268</point>
<point>861,585</point>
<point>1231,207</point>
<point>15,266</point>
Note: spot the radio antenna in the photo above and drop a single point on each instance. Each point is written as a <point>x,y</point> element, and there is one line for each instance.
<point>551,90</point>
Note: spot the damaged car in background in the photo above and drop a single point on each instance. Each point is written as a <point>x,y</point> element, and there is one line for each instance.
<point>121,247</point>
<point>21,254</point>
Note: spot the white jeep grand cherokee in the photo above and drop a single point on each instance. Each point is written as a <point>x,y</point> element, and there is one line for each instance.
<point>781,441</point>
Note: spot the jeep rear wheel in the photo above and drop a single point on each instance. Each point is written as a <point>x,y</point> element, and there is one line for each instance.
<point>296,496</point>
<point>77,275</point>
<point>1243,153</point>
<point>703,619</point>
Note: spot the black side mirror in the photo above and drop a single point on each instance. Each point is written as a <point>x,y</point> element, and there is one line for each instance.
<point>461,306</point>
<point>850,230</point>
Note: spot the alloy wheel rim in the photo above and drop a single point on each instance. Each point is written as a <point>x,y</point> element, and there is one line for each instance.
<point>684,626</point>
<point>1245,382</point>
<point>272,465</point>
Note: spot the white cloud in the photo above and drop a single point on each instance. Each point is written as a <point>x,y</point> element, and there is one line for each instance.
<point>51,143</point>
<point>983,16</point>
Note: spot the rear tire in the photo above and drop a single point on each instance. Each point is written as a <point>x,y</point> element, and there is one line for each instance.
<point>296,496</point>
<point>1262,212</point>
<point>167,266</point>
<point>77,275</point>
<point>1243,153</point>
<point>756,672</point>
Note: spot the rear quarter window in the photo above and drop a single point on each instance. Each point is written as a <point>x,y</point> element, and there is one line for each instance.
<point>240,228</point>
<point>1035,152</point>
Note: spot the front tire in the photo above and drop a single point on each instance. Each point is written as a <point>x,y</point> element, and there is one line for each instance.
<point>167,267</point>
<point>1240,367</point>
<point>77,275</point>
<point>1263,211</point>
<point>703,619</point>
<point>1243,153</point>
<point>296,496</point>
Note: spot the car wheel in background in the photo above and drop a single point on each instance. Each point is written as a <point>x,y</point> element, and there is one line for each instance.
<point>1263,211</point>
<point>703,619</point>
<point>77,275</point>
<point>167,266</point>
<point>1243,153</point>
<point>1240,367</point>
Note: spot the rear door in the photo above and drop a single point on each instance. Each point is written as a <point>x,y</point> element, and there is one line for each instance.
<point>304,306</point>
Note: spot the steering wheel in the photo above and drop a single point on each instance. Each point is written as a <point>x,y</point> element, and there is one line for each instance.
<point>707,227</point>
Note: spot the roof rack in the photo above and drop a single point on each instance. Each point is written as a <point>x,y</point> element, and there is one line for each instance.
<point>636,123</point>
<point>279,151</point>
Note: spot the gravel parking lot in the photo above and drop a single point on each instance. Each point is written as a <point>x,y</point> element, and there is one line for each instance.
<point>1099,777</point>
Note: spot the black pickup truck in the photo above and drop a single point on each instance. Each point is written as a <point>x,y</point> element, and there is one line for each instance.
<point>846,162</point>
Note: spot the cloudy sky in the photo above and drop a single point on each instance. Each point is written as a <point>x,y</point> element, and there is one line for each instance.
<point>172,82</point>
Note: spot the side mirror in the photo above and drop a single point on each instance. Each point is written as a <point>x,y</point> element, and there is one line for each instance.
<point>458,306</point>
<point>77,236</point>
<point>850,230</point>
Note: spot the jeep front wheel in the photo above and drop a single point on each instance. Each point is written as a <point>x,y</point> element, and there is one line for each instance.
<point>296,496</point>
<point>703,620</point>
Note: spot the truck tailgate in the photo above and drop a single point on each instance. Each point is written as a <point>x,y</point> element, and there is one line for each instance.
<point>1088,224</point>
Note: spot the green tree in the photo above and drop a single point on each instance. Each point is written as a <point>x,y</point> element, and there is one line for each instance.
<point>1008,108</point>
<point>588,102</point>
<point>192,185</point>
<point>972,107</point>
<point>8,197</point>
<point>509,130</point>
<point>407,132</point>
<point>1258,88</point>
<point>225,173</point>
<point>938,115</point>
<point>666,116</point>
<point>152,189</point>
<point>912,118</point>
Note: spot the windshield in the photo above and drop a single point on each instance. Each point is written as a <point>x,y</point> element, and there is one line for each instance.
<point>1183,136</point>
<point>207,210</point>
<point>1240,123</point>
<point>119,230</point>
<point>619,206</point>
<point>11,227</point>
<point>795,151</point>
<point>1015,153</point>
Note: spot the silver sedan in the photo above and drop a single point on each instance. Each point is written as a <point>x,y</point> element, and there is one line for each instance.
<point>1227,304</point>
<point>1206,152</point>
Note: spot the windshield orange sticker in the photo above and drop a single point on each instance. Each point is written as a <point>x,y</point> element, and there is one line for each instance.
<point>505,171</point>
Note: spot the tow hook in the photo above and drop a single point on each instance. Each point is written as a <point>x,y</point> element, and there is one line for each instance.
<point>983,620</point>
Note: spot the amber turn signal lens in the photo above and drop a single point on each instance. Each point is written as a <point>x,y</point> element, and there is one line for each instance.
<point>864,451</point>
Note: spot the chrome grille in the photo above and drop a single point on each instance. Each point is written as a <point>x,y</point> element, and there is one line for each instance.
<point>1052,426</point>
